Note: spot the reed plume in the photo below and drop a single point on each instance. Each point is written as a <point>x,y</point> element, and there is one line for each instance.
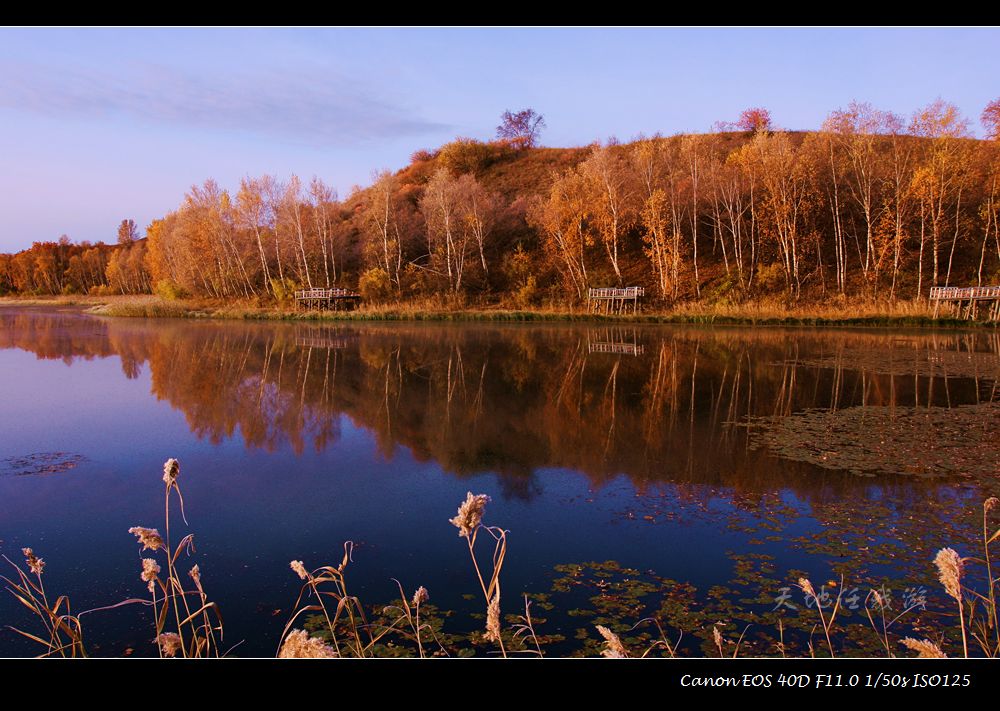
<point>170,643</point>
<point>148,537</point>
<point>717,638</point>
<point>299,645</point>
<point>470,514</point>
<point>420,596</point>
<point>949,565</point>
<point>924,648</point>
<point>469,523</point>
<point>493,618</point>
<point>613,647</point>
<point>34,563</point>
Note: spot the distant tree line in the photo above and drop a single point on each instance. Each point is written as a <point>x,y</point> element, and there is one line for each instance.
<point>872,204</point>
<point>63,267</point>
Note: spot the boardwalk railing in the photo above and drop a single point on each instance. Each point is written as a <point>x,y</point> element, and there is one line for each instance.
<point>325,294</point>
<point>320,298</point>
<point>615,299</point>
<point>628,292</point>
<point>964,293</point>
<point>971,294</point>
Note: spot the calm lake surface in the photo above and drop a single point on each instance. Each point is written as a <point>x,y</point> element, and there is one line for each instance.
<point>713,466</point>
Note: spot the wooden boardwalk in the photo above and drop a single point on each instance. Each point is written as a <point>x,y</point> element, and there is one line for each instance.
<point>968,300</point>
<point>327,298</point>
<point>615,300</point>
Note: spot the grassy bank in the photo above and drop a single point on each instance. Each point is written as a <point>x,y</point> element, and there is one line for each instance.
<point>9,301</point>
<point>762,313</point>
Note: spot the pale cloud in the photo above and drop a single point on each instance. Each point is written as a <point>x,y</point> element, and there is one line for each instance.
<point>311,107</point>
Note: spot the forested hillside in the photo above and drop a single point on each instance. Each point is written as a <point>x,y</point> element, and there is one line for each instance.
<point>873,205</point>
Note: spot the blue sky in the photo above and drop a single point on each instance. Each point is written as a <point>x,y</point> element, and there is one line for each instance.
<point>101,124</point>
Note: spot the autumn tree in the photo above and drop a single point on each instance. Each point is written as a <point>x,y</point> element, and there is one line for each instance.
<point>651,164</point>
<point>754,120</point>
<point>521,129</point>
<point>322,200</point>
<point>897,200</point>
<point>940,180</point>
<point>447,235</point>
<point>612,215</point>
<point>161,260</point>
<point>695,155</point>
<point>480,210</point>
<point>989,208</point>
<point>290,215</point>
<point>127,232</point>
<point>384,245</point>
<point>736,217</point>
<point>254,215</point>
<point>991,120</point>
<point>126,272</point>
<point>6,274</point>
<point>560,217</point>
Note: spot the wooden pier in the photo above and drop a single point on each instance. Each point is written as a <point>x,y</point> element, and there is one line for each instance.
<point>327,298</point>
<point>968,300</point>
<point>615,300</point>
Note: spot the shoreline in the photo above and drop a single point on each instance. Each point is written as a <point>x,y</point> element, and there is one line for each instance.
<point>900,315</point>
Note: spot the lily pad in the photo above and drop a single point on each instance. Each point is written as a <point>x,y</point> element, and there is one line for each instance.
<point>40,463</point>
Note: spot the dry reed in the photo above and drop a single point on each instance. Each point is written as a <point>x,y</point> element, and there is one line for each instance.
<point>197,626</point>
<point>469,522</point>
<point>613,647</point>
<point>63,633</point>
<point>324,592</point>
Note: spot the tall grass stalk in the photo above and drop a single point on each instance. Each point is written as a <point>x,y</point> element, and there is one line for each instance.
<point>469,522</point>
<point>408,611</point>
<point>950,567</point>
<point>350,631</point>
<point>883,632</point>
<point>662,642</point>
<point>63,630</point>
<point>988,505</point>
<point>985,628</point>
<point>827,623</point>
<point>525,629</point>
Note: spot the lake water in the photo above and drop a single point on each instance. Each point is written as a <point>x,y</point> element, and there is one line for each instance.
<point>692,474</point>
